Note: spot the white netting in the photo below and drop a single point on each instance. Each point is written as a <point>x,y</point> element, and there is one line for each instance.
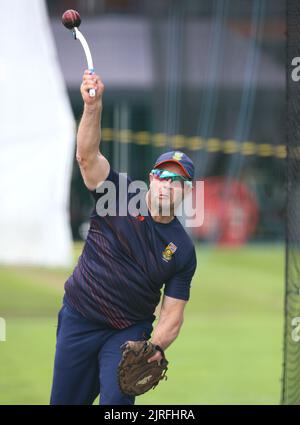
<point>36,141</point>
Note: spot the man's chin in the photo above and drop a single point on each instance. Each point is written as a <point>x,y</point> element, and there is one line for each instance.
<point>165,207</point>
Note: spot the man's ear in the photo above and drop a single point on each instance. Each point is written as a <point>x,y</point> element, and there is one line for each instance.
<point>150,177</point>
<point>188,189</point>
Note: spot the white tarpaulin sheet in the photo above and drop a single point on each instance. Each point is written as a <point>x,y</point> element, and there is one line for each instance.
<point>36,141</point>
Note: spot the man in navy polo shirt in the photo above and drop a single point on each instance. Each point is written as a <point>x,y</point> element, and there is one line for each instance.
<point>127,260</point>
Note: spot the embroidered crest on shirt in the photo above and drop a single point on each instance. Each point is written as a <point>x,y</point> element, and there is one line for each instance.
<point>169,251</point>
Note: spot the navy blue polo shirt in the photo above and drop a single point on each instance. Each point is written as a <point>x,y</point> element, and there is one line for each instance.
<point>126,263</point>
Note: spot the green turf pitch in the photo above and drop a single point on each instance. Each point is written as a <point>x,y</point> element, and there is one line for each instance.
<point>228,352</point>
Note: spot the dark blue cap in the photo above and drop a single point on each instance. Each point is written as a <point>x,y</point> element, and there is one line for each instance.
<point>179,158</point>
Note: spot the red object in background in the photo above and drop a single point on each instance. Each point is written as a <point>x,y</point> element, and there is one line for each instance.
<point>230,212</point>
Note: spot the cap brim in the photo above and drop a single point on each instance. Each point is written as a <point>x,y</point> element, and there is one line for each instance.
<point>176,162</point>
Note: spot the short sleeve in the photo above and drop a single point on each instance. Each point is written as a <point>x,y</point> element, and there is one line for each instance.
<point>179,285</point>
<point>113,176</point>
<point>111,196</point>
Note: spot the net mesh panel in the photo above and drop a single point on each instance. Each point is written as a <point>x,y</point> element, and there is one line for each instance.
<point>291,365</point>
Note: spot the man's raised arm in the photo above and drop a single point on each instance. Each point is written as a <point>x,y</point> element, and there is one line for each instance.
<point>93,165</point>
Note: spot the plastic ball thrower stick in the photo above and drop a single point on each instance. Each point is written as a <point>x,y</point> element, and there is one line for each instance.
<point>78,36</point>
<point>71,20</point>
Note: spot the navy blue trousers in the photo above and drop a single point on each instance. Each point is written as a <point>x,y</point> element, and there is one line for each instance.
<point>87,357</point>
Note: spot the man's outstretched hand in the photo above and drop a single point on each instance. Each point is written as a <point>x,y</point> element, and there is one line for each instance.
<point>91,81</point>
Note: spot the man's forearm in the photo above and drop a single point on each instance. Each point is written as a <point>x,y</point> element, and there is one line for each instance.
<point>89,132</point>
<point>165,332</point>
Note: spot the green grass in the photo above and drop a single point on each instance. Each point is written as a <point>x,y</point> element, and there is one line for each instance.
<point>228,352</point>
